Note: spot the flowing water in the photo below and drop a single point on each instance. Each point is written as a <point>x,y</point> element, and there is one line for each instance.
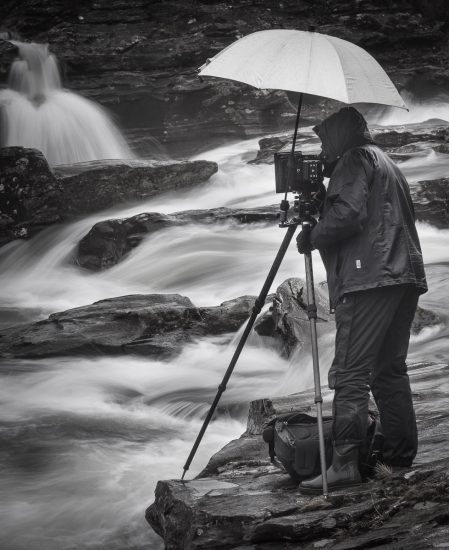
<point>83,441</point>
<point>35,111</point>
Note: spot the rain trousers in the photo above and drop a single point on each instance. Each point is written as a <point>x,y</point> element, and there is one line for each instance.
<point>370,248</point>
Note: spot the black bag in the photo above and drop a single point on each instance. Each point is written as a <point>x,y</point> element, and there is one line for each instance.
<point>293,442</point>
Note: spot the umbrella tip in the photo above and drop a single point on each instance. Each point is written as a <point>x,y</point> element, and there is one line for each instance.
<point>311,28</point>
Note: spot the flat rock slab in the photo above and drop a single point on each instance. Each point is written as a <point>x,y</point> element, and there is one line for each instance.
<point>241,501</point>
<point>32,196</point>
<point>156,325</point>
<point>109,241</point>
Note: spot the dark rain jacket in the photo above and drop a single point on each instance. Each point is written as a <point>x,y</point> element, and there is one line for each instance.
<point>367,235</point>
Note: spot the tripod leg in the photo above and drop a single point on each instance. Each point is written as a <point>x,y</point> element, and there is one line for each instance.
<point>312,313</point>
<point>255,312</point>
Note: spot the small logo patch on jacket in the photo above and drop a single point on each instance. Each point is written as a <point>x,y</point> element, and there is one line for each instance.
<point>358,264</point>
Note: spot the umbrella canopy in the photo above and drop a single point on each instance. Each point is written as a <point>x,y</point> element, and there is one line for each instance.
<point>305,62</point>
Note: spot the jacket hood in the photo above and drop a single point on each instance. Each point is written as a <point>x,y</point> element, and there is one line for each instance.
<point>340,132</point>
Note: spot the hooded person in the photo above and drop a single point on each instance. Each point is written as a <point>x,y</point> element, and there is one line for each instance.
<point>370,248</point>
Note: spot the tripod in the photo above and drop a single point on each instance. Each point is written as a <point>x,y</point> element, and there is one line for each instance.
<point>306,210</point>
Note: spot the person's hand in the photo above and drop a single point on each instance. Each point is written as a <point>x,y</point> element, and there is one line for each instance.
<point>303,240</point>
<point>319,197</point>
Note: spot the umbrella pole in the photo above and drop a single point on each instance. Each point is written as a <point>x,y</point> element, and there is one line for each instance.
<point>255,312</point>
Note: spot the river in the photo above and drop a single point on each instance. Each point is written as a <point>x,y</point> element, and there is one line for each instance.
<point>84,440</point>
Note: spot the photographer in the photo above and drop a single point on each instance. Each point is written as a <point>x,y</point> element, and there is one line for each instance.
<point>370,248</point>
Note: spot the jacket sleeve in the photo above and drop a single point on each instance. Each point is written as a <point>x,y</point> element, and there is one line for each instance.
<point>345,211</point>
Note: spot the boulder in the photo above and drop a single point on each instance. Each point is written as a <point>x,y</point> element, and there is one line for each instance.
<point>431,201</point>
<point>442,148</point>
<point>287,325</point>
<point>393,139</point>
<point>287,321</point>
<point>108,242</point>
<point>104,187</point>
<point>242,501</point>
<point>33,196</point>
<point>156,325</point>
<point>267,147</point>
<point>424,318</point>
<point>29,191</point>
<point>8,53</point>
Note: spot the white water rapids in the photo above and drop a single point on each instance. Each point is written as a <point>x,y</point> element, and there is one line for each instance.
<point>83,441</point>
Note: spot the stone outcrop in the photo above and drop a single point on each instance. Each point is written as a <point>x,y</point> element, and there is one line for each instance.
<point>109,241</point>
<point>431,201</point>
<point>33,197</point>
<point>241,501</point>
<point>156,325</point>
<point>140,59</point>
<point>8,53</point>
<point>160,325</point>
<point>30,194</point>
<point>287,322</point>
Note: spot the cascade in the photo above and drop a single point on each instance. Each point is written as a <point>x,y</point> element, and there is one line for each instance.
<point>36,111</point>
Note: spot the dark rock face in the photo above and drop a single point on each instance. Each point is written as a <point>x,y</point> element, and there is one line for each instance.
<point>104,187</point>
<point>431,201</point>
<point>267,148</point>
<point>155,325</point>
<point>29,191</point>
<point>33,197</point>
<point>424,318</point>
<point>398,139</point>
<point>161,324</point>
<point>140,58</point>
<point>8,53</point>
<point>287,321</point>
<point>443,148</point>
<point>242,501</point>
<point>109,241</point>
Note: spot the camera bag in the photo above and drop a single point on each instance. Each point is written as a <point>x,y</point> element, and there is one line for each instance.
<point>293,444</point>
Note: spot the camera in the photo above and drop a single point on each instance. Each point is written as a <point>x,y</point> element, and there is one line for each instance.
<point>298,173</point>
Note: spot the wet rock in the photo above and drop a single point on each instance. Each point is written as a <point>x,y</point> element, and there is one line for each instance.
<point>424,318</point>
<point>109,241</point>
<point>270,145</point>
<point>242,501</point>
<point>30,194</point>
<point>156,325</point>
<point>8,53</point>
<point>399,139</point>
<point>443,148</point>
<point>431,201</point>
<point>102,188</point>
<point>267,148</point>
<point>287,321</point>
<point>33,197</point>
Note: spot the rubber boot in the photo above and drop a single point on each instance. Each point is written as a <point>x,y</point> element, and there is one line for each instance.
<point>343,473</point>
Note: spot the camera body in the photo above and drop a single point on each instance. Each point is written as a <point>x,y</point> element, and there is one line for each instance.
<point>298,173</point>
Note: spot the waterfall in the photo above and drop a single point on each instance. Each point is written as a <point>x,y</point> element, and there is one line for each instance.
<point>35,111</point>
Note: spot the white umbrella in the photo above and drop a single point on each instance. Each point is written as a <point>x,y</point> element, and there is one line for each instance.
<point>305,62</point>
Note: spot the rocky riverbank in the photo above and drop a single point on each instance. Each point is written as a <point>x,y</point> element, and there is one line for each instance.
<point>33,196</point>
<point>241,501</point>
<point>160,325</point>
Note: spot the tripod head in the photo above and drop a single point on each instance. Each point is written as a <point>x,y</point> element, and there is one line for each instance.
<point>305,205</point>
